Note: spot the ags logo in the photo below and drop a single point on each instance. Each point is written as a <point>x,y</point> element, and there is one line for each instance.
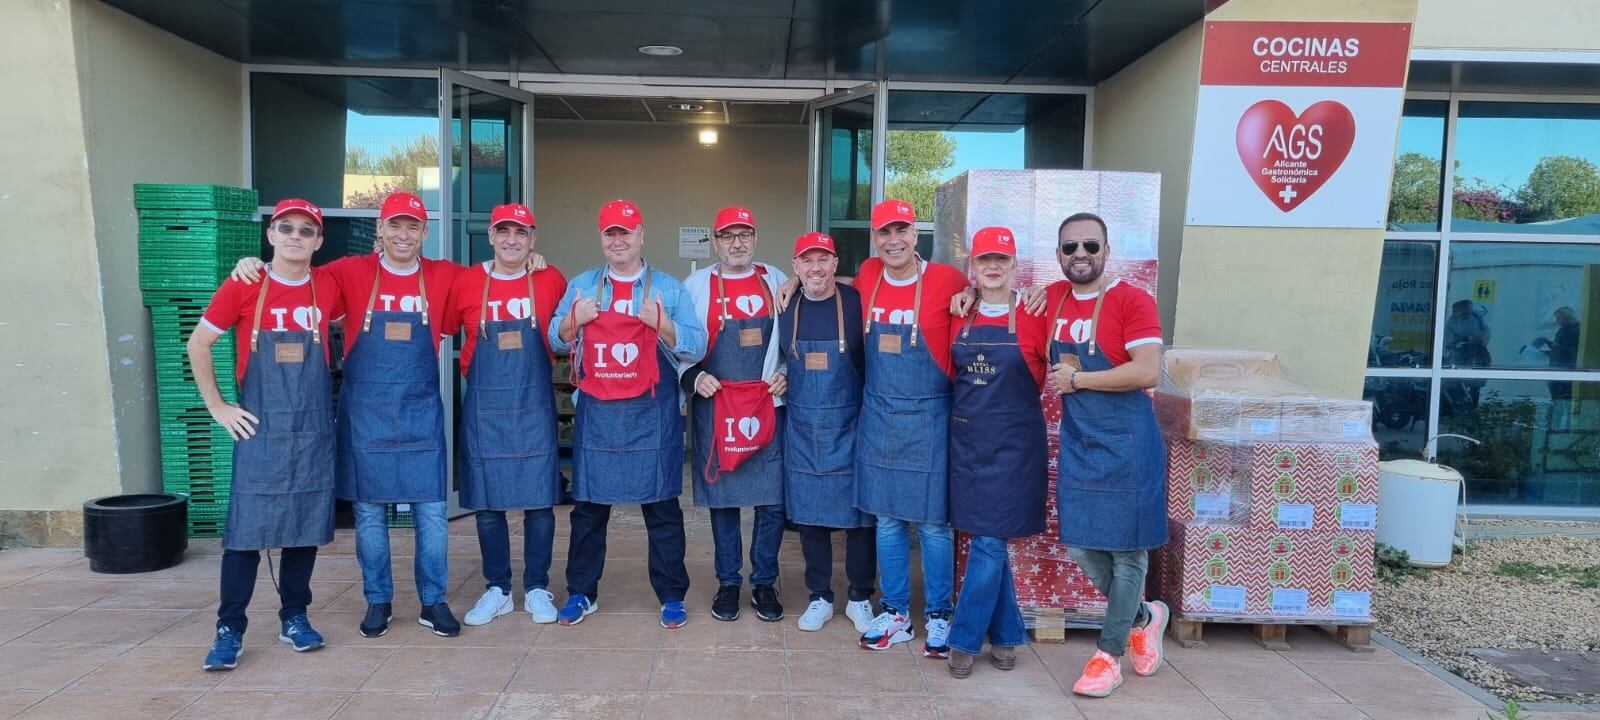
<point>1288,156</point>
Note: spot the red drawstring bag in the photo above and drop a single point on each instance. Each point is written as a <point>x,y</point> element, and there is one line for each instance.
<point>617,358</point>
<point>744,420</point>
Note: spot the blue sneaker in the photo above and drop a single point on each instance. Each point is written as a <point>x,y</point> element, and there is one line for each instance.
<point>297,631</point>
<point>225,650</point>
<point>577,608</point>
<point>673,616</point>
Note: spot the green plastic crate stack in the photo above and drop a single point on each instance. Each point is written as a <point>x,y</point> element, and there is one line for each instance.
<point>400,518</point>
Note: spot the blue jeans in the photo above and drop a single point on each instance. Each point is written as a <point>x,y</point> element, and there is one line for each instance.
<point>372,551</point>
<point>894,564</point>
<point>494,543</point>
<point>988,601</point>
<point>765,538</point>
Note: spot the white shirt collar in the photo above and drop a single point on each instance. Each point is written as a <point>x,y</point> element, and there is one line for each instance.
<point>994,309</point>
<point>488,267</point>
<point>736,276</point>
<point>1090,296</point>
<point>394,271</point>
<point>291,283</point>
<point>922,265</point>
<point>627,278</point>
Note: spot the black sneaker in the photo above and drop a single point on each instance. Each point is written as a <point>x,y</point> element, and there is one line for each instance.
<point>438,618</point>
<point>764,598</point>
<point>376,623</point>
<point>725,606</point>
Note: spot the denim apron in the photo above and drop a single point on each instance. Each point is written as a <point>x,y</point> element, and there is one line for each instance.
<point>823,400</point>
<point>1111,490</point>
<point>628,451</point>
<point>997,435</point>
<point>739,354</point>
<point>508,416</point>
<point>391,419</point>
<point>902,439</point>
<point>282,490</point>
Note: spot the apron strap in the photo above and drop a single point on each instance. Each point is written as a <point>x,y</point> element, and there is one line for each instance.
<point>483,305</point>
<point>1094,319</point>
<point>372,299</point>
<point>916,304</point>
<point>1011,318</point>
<point>261,302</point>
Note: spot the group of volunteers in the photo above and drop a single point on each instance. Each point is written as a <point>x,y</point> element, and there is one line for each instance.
<point>907,399</point>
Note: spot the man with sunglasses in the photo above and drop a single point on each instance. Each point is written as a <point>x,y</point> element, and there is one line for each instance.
<point>1105,352</point>
<point>734,297</point>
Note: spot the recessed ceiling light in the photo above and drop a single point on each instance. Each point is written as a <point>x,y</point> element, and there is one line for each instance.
<point>661,50</point>
<point>685,107</point>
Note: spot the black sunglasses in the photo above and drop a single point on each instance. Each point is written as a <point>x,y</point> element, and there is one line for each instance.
<point>1089,246</point>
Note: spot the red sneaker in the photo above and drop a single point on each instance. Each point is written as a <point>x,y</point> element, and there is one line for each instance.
<point>1144,644</point>
<point>1101,676</point>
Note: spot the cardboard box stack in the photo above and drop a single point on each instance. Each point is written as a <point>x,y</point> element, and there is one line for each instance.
<point>1272,493</point>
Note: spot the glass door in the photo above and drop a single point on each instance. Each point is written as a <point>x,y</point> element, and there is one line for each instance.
<point>846,171</point>
<point>486,127</point>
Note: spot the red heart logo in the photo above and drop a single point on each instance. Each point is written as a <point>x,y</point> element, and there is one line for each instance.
<point>1290,157</point>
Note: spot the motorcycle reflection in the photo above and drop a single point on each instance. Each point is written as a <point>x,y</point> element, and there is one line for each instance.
<point>1400,403</point>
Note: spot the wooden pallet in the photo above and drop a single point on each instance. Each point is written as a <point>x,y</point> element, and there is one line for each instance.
<point>1050,625</point>
<point>1188,632</point>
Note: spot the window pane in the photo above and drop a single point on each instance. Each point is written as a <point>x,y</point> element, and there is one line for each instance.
<point>1402,318</point>
<point>935,136</point>
<point>1418,167</point>
<point>344,141</point>
<point>847,154</point>
<point>341,236</point>
<point>1527,168</point>
<point>1399,415</point>
<point>1522,305</point>
<point>1538,438</point>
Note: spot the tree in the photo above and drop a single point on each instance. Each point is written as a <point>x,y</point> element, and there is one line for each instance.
<point>1481,201</point>
<point>1560,187</point>
<point>1414,191</point>
<point>912,165</point>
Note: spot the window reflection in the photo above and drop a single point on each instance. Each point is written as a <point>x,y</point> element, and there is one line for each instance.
<point>1402,318</point>
<point>1399,415</point>
<point>1418,167</point>
<point>1522,305</point>
<point>1540,442</point>
<point>1527,168</point>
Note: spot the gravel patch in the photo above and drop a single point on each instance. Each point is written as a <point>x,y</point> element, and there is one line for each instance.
<point>1441,613</point>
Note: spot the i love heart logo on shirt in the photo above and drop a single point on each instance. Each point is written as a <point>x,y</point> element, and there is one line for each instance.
<point>748,427</point>
<point>625,353</point>
<point>750,304</point>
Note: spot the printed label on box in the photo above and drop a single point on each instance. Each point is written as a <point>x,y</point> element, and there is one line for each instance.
<point>1294,516</point>
<point>1290,601</point>
<point>1354,428</point>
<point>403,507</point>
<point>1227,598</point>
<point>1263,426</point>
<point>1358,516</point>
<point>1352,603</point>
<point>1210,506</point>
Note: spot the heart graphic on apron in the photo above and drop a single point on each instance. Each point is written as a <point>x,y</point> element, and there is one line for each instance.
<point>749,426</point>
<point>749,304</point>
<point>1289,157</point>
<point>625,353</point>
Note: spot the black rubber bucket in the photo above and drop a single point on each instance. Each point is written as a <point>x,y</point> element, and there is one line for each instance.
<point>135,533</point>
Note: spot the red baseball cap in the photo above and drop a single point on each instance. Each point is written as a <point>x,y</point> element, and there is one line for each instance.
<point>297,205</point>
<point>813,241</point>
<point>994,241</point>
<point>889,212</point>
<point>730,216</point>
<point>403,204</point>
<point>622,214</point>
<point>512,213</point>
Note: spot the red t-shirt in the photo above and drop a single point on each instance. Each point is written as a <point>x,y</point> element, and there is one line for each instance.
<point>894,303</point>
<point>1030,337</point>
<point>748,297</point>
<point>508,299</point>
<point>396,292</point>
<point>1128,318</point>
<point>288,307</point>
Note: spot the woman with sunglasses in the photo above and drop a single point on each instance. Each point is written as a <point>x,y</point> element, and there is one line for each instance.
<point>1112,488</point>
<point>997,451</point>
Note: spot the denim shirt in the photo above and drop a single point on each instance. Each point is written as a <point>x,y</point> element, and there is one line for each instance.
<point>691,329</point>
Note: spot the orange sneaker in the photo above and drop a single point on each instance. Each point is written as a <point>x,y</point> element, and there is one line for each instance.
<point>1144,643</point>
<point>1101,676</point>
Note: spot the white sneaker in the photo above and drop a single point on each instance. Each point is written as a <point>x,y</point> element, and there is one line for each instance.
<point>937,644</point>
<point>886,631</point>
<point>541,605</point>
<point>860,613</point>
<point>817,614</point>
<point>494,603</point>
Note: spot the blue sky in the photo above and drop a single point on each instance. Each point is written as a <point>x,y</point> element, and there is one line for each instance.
<point>1502,151</point>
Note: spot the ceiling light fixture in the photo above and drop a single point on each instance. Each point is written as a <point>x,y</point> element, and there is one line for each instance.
<point>685,107</point>
<point>708,137</point>
<point>661,50</point>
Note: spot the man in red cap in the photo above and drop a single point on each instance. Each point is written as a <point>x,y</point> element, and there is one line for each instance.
<point>901,468</point>
<point>629,327</point>
<point>391,419</point>
<point>282,490</point>
<point>734,299</point>
<point>821,333</point>
<point>508,414</point>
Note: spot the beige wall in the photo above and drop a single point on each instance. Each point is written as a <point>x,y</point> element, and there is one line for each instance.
<point>189,130</point>
<point>55,391</point>
<point>579,166</point>
<point>1500,25</point>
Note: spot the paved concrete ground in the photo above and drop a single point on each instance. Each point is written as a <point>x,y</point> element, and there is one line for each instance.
<point>76,644</point>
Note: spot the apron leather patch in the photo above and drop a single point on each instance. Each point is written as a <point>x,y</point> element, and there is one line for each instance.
<point>816,361</point>
<point>1071,360</point>
<point>750,337</point>
<point>889,344</point>
<point>290,353</point>
<point>397,331</point>
<point>510,340</point>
